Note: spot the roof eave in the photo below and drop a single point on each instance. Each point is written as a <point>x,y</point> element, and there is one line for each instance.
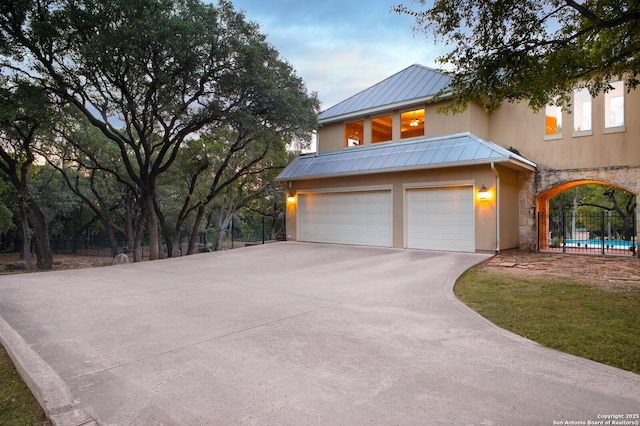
<point>514,163</point>
<point>381,108</point>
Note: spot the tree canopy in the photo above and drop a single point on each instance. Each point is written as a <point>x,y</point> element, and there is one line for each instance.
<point>531,50</point>
<point>151,74</point>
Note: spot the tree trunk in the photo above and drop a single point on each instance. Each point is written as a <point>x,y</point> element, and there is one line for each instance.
<point>193,238</point>
<point>137,238</point>
<point>25,250</point>
<point>152,226</point>
<point>45,257</point>
<point>224,221</point>
<point>164,229</point>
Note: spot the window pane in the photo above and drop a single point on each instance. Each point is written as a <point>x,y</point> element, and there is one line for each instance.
<point>381,129</point>
<point>553,120</point>
<point>614,105</point>
<point>353,134</point>
<point>581,110</point>
<point>412,124</point>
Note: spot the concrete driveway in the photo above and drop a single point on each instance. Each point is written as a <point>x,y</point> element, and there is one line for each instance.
<point>289,334</point>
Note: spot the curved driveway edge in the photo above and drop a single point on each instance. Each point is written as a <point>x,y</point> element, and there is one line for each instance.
<point>289,333</point>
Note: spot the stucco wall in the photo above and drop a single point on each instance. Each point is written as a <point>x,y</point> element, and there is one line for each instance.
<point>509,208</point>
<point>474,120</point>
<point>515,125</point>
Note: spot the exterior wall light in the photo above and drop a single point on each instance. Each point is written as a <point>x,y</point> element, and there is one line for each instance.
<point>483,193</point>
<point>291,199</point>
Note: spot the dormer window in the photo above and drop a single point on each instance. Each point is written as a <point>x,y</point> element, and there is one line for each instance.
<point>354,134</point>
<point>412,124</point>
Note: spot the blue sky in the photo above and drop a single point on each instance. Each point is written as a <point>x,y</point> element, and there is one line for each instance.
<point>341,47</point>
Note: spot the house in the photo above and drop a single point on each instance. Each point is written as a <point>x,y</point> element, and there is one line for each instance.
<point>391,171</point>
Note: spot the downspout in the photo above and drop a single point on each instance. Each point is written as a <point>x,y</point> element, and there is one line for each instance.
<point>497,174</point>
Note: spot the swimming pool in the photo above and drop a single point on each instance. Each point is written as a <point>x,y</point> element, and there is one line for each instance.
<point>613,244</point>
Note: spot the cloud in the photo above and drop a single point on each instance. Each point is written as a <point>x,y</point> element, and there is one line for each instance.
<point>340,48</point>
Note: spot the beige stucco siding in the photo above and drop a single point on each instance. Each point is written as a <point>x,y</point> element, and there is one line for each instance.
<point>509,208</point>
<point>475,176</point>
<point>514,125</point>
<point>330,137</point>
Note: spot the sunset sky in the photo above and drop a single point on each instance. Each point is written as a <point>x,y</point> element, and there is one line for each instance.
<point>341,47</point>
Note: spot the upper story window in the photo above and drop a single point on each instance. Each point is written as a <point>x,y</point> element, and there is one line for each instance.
<point>412,124</point>
<point>614,106</point>
<point>354,134</point>
<point>582,111</point>
<point>381,129</point>
<point>553,119</point>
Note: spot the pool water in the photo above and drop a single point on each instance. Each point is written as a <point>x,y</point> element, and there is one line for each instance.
<point>615,244</point>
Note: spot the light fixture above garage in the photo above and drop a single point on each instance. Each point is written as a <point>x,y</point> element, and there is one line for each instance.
<point>483,193</point>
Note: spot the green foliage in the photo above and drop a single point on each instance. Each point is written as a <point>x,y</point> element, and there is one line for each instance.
<point>592,200</point>
<point>17,404</point>
<point>535,51</point>
<point>590,322</point>
<point>146,76</point>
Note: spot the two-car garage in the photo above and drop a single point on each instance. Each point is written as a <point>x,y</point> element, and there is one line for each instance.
<point>418,194</point>
<point>435,218</point>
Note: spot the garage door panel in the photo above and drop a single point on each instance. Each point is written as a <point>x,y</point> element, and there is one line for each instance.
<point>362,218</point>
<point>441,219</point>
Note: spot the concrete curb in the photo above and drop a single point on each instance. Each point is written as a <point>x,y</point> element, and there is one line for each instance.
<point>447,289</point>
<point>48,388</point>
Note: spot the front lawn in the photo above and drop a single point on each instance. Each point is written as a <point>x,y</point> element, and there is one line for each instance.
<point>562,313</point>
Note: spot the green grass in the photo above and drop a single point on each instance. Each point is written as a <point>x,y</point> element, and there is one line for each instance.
<point>17,404</point>
<point>577,318</point>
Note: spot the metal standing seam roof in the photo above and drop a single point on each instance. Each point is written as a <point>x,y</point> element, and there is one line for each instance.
<point>446,151</point>
<point>416,82</point>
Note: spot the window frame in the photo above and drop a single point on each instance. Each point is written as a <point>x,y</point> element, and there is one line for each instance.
<point>346,131</point>
<point>373,122</point>
<point>559,113</point>
<point>587,132</point>
<point>607,109</point>
<point>422,120</point>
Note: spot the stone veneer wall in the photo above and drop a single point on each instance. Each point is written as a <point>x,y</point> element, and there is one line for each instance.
<point>533,185</point>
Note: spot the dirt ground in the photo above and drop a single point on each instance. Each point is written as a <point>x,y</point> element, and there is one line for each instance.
<point>613,272</point>
<point>606,271</point>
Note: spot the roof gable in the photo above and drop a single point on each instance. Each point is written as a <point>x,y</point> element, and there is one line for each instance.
<point>447,151</point>
<point>416,82</point>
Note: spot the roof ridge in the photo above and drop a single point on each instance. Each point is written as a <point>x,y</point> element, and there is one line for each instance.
<point>377,90</point>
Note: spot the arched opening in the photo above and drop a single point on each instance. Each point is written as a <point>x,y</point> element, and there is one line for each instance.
<point>587,216</point>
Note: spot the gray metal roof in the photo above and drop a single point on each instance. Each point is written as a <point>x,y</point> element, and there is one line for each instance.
<point>416,82</point>
<point>446,151</point>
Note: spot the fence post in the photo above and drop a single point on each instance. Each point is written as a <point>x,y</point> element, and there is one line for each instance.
<point>262,229</point>
<point>564,232</point>
<point>537,229</point>
<point>634,239</point>
<point>602,230</point>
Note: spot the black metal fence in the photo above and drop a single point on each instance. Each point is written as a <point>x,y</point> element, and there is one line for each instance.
<point>605,233</point>
<point>238,234</point>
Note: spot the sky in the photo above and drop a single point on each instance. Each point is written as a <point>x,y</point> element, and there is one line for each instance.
<point>340,48</point>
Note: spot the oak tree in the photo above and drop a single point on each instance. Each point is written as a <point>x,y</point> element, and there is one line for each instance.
<point>531,50</point>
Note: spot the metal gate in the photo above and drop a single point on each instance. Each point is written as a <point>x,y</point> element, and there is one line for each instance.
<point>605,233</point>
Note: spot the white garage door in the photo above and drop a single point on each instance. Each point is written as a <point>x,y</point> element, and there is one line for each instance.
<point>361,218</point>
<point>441,219</point>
